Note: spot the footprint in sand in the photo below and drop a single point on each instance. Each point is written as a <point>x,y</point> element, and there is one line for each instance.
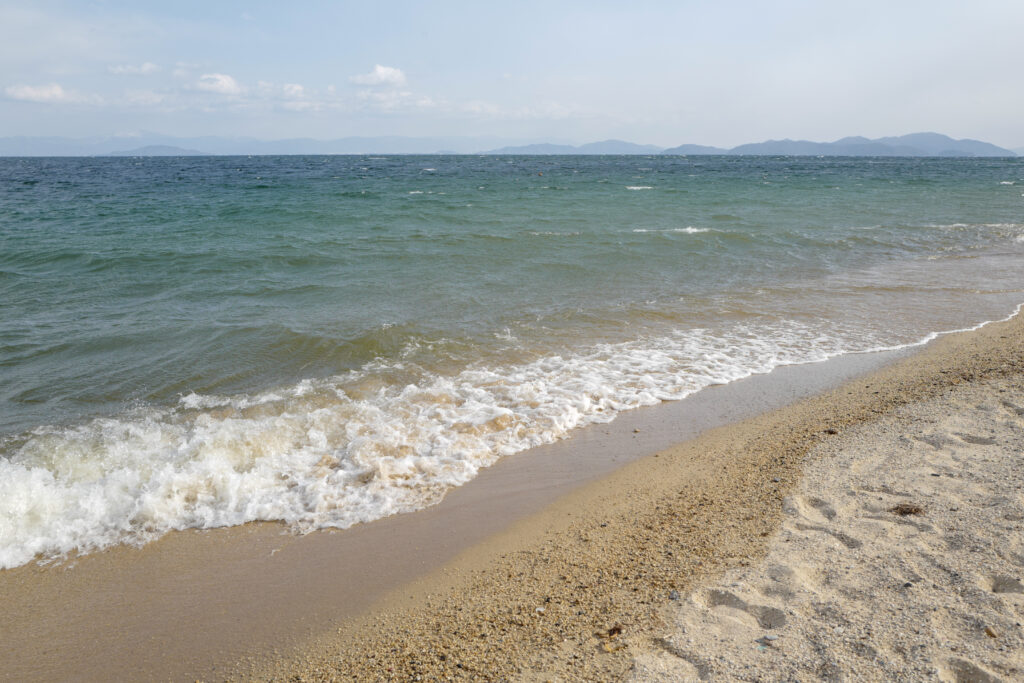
<point>977,440</point>
<point>849,541</point>
<point>936,441</point>
<point>899,527</point>
<point>819,514</point>
<point>766,617</point>
<point>1014,408</point>
<point>810,508</point>
<point>785,581</point>
<point>962,671</point>
<point>1005,584</point>
<point>700,667</point>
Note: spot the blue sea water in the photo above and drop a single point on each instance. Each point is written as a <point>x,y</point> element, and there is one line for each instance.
<point>207,341</point>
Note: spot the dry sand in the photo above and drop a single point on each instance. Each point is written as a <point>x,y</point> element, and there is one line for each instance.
<point>900,558</point>
<point>659,570</point>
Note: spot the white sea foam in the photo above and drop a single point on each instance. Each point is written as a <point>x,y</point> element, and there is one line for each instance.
<point>639,187</point>
<point>688,230</point>
<point>960,226</point>
<point>332,453</point>
<point>353,448</point>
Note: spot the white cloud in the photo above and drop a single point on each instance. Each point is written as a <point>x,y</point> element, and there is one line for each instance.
<point>183,69</point>
<point>302,105</point>
<point>52,93</point>
<point>381,75</point>
<point>134,70</point>
<point>388,100</point>
<point>294,90</point>
<point>143,97</point>
<point>219,83</point>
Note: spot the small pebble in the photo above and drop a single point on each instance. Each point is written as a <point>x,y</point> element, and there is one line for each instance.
<point>673,595</point>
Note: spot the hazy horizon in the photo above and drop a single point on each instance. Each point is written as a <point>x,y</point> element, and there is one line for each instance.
<point>662,74</point>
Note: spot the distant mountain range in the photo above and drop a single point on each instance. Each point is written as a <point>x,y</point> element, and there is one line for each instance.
<point>605,147</point>
<point>695,149</point>
<point>157,151</point>
<point>913,145</point>
<point>152,144</point>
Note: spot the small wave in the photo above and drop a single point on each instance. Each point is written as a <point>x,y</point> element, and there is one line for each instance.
<point>416,192</point>
<point>688,230</point>
<point>345,450</point>
<point>639,187</point>
<point>330,453</point>
<point>961,226</point>
<point>1007,182</point>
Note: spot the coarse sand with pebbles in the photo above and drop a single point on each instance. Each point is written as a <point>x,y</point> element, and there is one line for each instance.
<point>900,557</point>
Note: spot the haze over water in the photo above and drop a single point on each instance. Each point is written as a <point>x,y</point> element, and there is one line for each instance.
<point>206,341</point>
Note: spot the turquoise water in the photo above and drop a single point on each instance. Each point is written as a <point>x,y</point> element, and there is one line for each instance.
<point>197,342</point>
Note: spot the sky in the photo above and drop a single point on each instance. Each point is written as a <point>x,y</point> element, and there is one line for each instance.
<point>664,73</point>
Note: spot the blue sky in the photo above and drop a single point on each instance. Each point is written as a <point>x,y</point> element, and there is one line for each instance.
<point>664,73</point>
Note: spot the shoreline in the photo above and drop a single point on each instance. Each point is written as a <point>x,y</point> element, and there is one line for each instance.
<point>104,609</point>
<point>686,499</point>
<point>575,591</point>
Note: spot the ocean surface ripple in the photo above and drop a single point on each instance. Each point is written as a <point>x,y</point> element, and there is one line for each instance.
<point>323,341</point>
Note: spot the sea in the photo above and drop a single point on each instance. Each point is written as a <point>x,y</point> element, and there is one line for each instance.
<point>198,342</point>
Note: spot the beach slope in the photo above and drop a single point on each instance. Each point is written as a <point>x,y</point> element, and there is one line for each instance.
<point>899,558</point>
<point>611,581</point>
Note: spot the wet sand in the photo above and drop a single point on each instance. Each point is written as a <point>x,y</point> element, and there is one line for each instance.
<point>194,603</point>
<point>525,573</point>
<point>584,589</point>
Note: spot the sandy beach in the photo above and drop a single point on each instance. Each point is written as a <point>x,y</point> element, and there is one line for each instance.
<point>900,558</point>
<point>723,558</point>
<point>571,343</point>
<point>764,548</point>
